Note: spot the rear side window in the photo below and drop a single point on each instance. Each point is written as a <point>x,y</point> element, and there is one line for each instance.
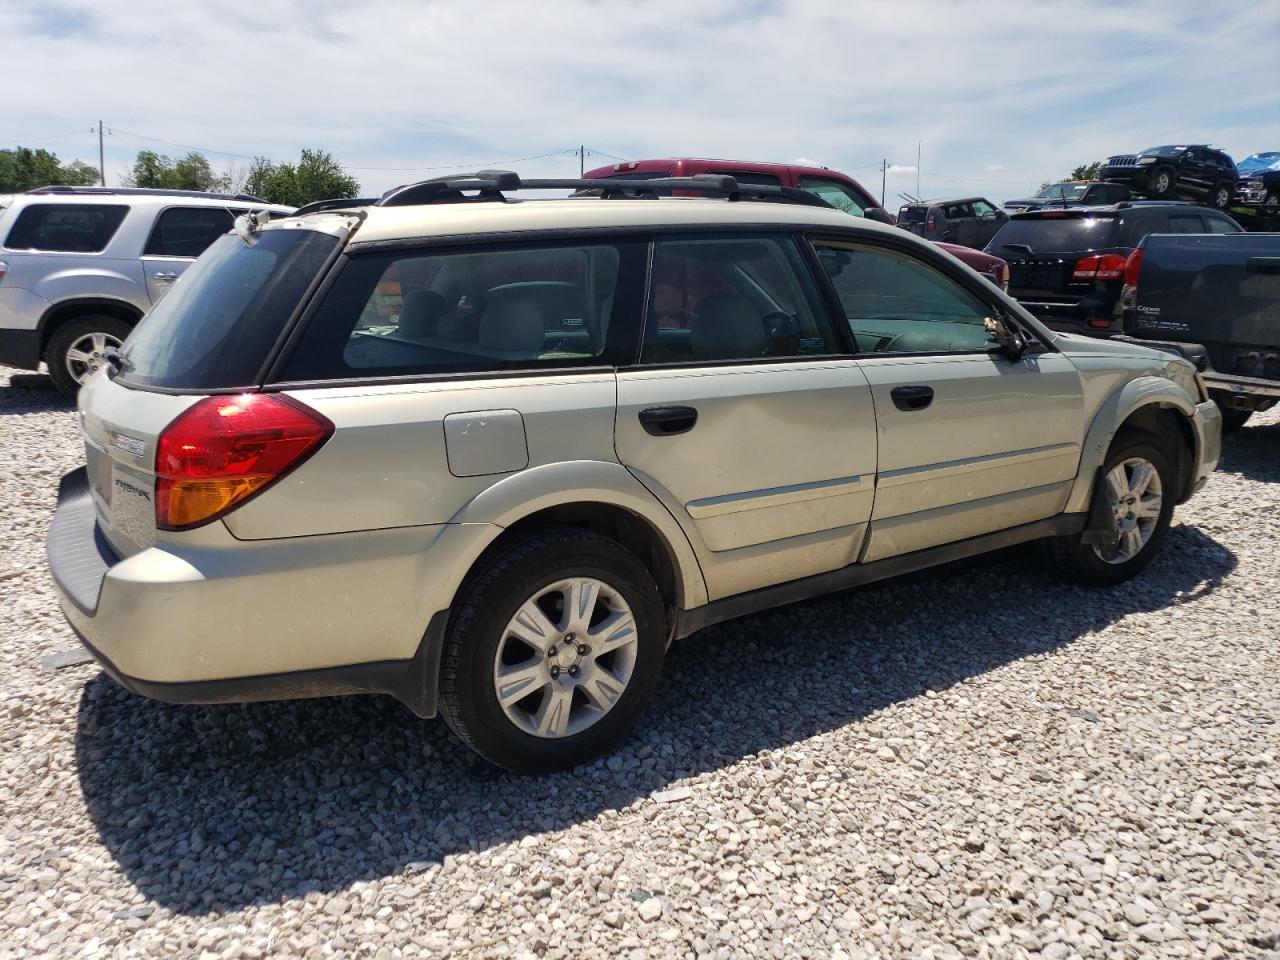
<point>1046,235</point>
<point>1185,223</point>
<point>1220,225</point>
<point>217,324</point>
<point>530,306</point>
<point>187,231</point>
<point>732,298</point>
<point>66,227</point>
<point>897,304</point>
<point>912,214</point>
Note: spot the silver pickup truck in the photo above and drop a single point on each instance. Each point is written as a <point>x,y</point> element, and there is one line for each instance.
<point>79,266</point>
<point>1215,299</point>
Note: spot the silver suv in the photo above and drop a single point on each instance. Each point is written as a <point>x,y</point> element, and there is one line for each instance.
<point>492,456</point>
<point>79,266</point>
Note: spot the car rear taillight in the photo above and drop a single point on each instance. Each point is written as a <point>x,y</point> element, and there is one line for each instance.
<point>1106,266</point>
<point>1100,323</point>
<point>224,450</point>
<point>931,224</point>
<point>1133,267</point>
<point>1002,275</point>
<point>4,268</point>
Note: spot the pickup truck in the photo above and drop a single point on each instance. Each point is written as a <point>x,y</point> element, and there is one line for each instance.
<point>1214,299</point>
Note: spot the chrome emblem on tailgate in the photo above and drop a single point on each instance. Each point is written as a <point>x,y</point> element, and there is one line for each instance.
<point>129,445</point>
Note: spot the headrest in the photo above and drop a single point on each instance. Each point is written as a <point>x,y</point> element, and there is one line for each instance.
<point>512,324</point>
<point>420,313</point>
<point>726,327</point>
<point>461,324</point>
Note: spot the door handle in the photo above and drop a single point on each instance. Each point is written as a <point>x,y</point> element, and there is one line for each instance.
<point>668,421</point>
<point>1262,265</point>
<point>911,398</point>
<point>164,277</point>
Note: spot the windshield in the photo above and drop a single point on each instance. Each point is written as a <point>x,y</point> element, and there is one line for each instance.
<point>1162,152</point>
<point>1260,163</point>
<point>216,325</point>
<point>1061,191</point>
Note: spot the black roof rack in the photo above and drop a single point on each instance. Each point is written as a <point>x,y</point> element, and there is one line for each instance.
<point>144,191</point>
<point>492,185</point>
<point>1121,205</point>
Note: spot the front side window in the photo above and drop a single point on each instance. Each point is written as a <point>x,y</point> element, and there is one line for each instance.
<point>839,195</point>
<point>984,209</point>
<point>895,303</point>
<point>66,227</point>
<point>737,297</point>
<point>187,231</point>
<point>533,306</point>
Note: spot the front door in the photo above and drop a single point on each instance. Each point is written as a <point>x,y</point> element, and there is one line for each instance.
<point>988,221</point>
<point>969,441</point>
<point>745,414</point>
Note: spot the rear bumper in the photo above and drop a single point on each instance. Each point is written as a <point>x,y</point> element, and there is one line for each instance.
<point>228,620</point>
<point>20,313</point>
<point>1071,317</point>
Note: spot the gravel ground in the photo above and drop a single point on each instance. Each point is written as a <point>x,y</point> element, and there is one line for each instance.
<point>975,762</point>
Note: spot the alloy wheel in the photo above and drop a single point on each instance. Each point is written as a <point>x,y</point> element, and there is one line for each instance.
<point>87,355</point>
<point>1136,496</point>
<point>565,658</point>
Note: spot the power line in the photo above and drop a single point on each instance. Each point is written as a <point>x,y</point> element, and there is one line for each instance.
<point>471,164</point>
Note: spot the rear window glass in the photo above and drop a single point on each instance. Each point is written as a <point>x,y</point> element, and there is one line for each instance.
<point>511,307</point>
<point>1055,235</point>
<point>66,227</point>
<point>216,325</point>
<point>912,214</point>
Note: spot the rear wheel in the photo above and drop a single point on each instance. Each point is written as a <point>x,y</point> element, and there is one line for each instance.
<point>553,651</point>
<point>1161,183</point>
<point>1137,487</point>
<point>1272,201</point>
<point>1222,196</point>
<point>77,350</point>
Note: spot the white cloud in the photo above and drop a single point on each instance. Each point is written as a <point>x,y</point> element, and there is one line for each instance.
<point>995,168</point>
<point>395,84</point>
<point>902,168</point>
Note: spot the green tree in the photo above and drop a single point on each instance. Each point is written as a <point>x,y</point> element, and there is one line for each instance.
<point>316,176</point>
<point>1087,171</point>
<point>25,169</point>
<point>191,172</point>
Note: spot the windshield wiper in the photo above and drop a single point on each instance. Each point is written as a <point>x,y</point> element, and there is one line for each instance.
<point>1026,247</point>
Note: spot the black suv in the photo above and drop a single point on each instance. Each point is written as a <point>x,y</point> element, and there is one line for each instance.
<point>1070,193</point>
<point>1067,266</point>
<point>1193,172</point>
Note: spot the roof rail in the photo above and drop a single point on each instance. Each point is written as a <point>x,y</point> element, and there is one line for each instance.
<point>142,191</point>
<point>340,203</point>
<point>1121,205</point>
<point>492,185</point>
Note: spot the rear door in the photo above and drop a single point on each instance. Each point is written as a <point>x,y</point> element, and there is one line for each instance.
<point>745,415</point>
<point>960,224</point>
<point>970,442</point>
<point>179,236</point>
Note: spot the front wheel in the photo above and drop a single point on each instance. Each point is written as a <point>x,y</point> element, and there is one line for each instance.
<point>1233,418</point>
<point>553,651</point>
<point>77,350</point>
<point>1137,488</point>
<point>1161,183</point>
<point>1222,196</point>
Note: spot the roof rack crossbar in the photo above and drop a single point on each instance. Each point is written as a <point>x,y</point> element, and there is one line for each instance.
<point>340,203</point>
<point>493,185</point>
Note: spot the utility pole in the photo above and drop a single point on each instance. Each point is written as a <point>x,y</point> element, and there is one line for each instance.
<point>582,160</point>
<point>102,166</point>
<point>919,144</point>
<point>884,169</point>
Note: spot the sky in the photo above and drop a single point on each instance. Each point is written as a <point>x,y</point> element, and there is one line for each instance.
<point>999,96</point>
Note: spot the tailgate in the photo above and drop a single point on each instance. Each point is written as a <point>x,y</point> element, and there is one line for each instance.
<point>1044,277</point>
<point>120,427</point>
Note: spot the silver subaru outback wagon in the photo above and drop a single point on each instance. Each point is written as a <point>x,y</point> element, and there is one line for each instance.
<point>491,456</point>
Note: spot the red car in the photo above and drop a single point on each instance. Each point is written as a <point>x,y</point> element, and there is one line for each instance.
<point>838,189</point>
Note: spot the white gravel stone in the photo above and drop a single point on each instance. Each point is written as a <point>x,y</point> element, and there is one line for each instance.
<point>976,762</point>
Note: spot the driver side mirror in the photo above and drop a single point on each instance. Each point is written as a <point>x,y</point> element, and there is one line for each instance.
<point>1008,337</point>
<point>879,215</point>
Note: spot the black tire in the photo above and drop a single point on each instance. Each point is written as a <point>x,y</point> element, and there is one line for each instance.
<point>501,584</point>
<point>1075,561</point>
<point>1271,203</point>
<point>1220,199</point>
<point>66,336</point>
<point>1153,184</point>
